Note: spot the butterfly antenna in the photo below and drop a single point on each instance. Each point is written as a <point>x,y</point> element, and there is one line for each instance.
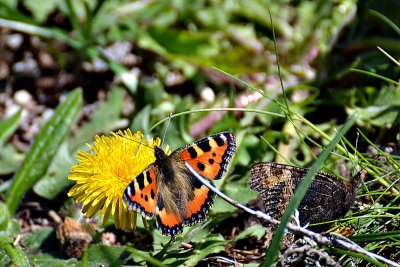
<point>166,128</point>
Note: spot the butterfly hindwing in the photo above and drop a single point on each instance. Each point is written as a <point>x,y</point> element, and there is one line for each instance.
<point>209,156</point>
<point>141,194</point>
<point>169,223</point>
<point>200,204</point>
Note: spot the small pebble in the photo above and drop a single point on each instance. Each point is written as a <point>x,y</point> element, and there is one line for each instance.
<point>208,95</point>
<point>14,41</point>
<point>22,97</point>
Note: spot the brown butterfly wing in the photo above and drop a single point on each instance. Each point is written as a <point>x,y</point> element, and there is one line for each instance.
<point>327,198</point>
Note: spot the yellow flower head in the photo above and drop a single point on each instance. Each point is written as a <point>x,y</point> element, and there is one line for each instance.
<point>103,173</point>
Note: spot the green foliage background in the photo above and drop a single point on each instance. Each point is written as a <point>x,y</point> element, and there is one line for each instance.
<point>324,53</point>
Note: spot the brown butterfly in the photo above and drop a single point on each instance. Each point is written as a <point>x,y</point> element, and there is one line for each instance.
<point>326,199</point>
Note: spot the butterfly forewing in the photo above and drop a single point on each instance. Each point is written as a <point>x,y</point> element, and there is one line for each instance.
<point>210,156</point>
<point>141,194</point>
<point>275,185</point>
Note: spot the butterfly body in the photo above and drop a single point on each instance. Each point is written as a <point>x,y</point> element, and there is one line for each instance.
<point>326,199</point>
<point>167,190</point>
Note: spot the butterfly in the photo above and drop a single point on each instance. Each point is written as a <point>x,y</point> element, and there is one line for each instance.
<point>326,199</point>
<point>167,190</point>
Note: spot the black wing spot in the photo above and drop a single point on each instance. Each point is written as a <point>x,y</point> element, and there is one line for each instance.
<point>219,140</point>
<point>152,194</point>
<point>205,146</point>
<point>160,203</point>
<point>141,195</point>
<point>149,180</point>
<point>196,183</point>
<point>140,180</point>
<point>146,198</point>
<point>192,152</point>
<point>201,166</point>
<point>214,155</point>
<point>211,161</point>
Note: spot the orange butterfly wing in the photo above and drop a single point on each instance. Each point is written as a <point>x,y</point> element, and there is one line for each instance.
<point>141,194</point>
<point>209,156</point>
<point>200,205</point>
<point>172,224</point>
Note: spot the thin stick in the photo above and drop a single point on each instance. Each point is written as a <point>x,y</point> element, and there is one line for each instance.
<point>335,240</point>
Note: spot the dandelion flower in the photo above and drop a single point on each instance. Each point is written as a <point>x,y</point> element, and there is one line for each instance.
<point>103,173</point>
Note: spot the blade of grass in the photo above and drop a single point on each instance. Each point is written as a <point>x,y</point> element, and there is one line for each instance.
<point>4,217</point>
<point>376,76</point>
<point>389,56</point>
<point>14,252</point>
<point>357,255</point>
<point>386,20</point>
<point>13,13</point>
<point>41,31</point>
<point>301,190</point>
<point>44,148</point>
<point>375,237</point>
<point>9,125</point>
<point>213,110</point>
<point>73,18</point>
<point>17,256</point>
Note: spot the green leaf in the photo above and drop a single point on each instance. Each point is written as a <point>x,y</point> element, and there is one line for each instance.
<point>41,9</point>
<point>105,119</point>
<point>141,120</point>
<point>33,240</point>
<point>44,148</point>
<point>104,255</point>
<point>16,255</point>
<point>5,239</point>
<point>184,42</point>
<point>381,116</point>
<point>4,216</point>
<point>151,91</point>
<point>239,192</point>
<point>8,126</point>
<point>55,179</point>
<point>48,260</point>
<point>301,191</point>
<point>10,3</point>
<point>256,230</point>
<point>139,255</point>
<point>10,159</point>
<point>213,244</point>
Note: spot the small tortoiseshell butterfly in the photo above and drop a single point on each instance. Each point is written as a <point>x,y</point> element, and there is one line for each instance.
<point>326,199</point>
<point>167,189</point>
